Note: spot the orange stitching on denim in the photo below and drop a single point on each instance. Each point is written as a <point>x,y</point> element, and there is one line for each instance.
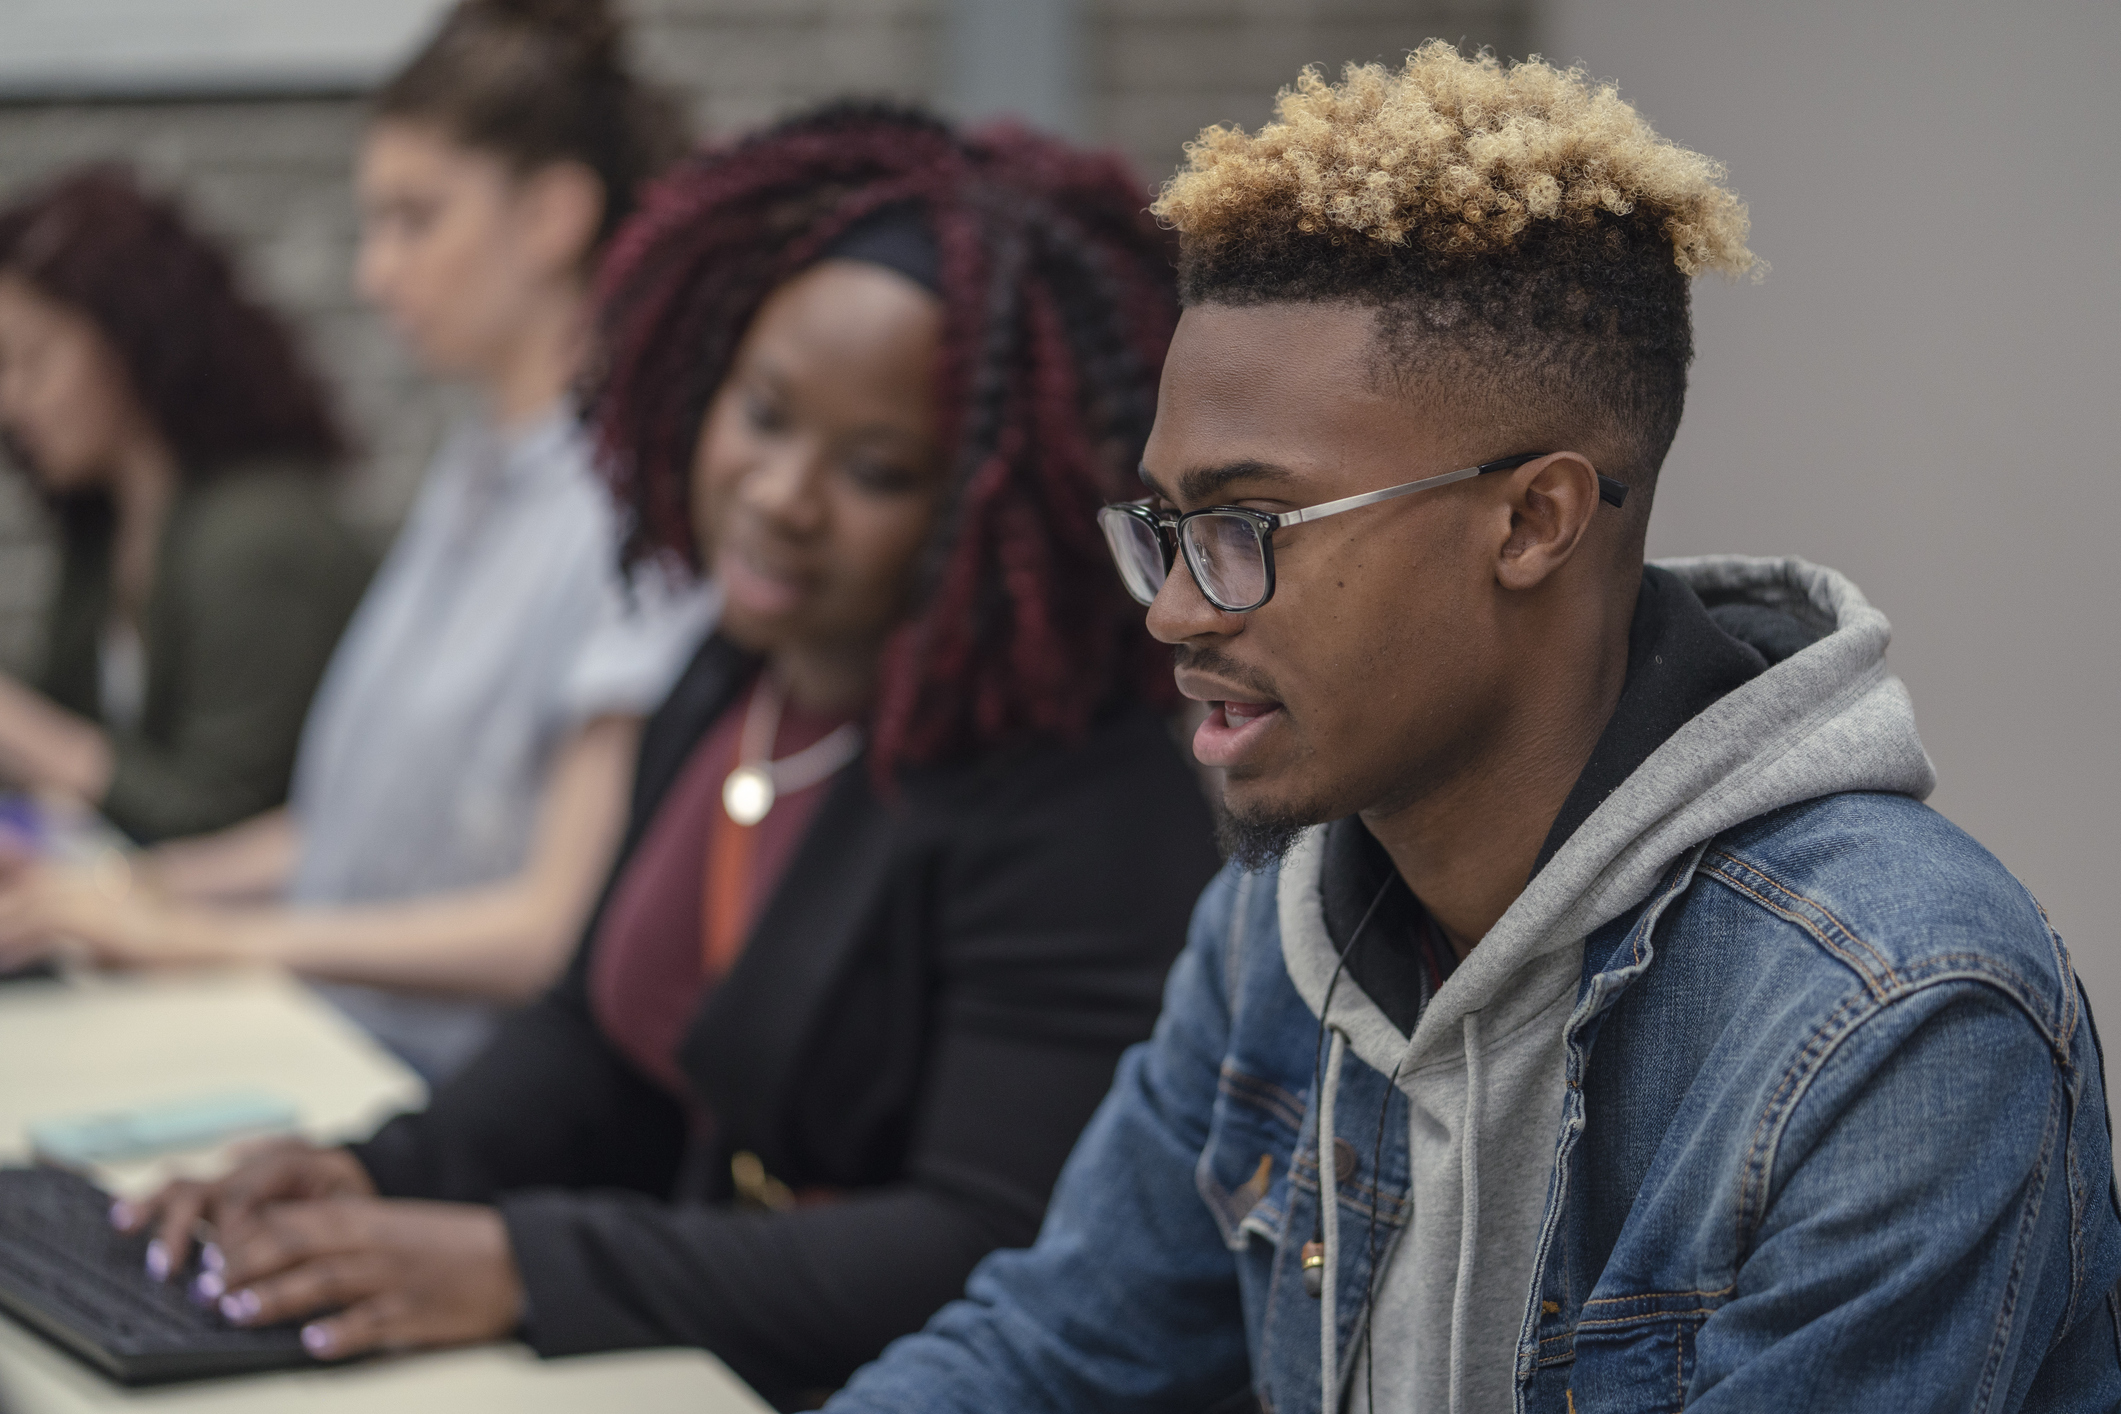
<point>1266,1089</point>
<point>1303,1174</point>
<point>2031,1218</point>
<point>2073,1185</point>
<point>1814,1051</point>
<point>1658,1296</point>
<point>2066,972</point>
<point>1610,1322</point>
<point>1824,911</point>
<point>1792,916</point>
<point>1675,884</point>
<point>1831,917</point>
<point>1303,1171</point>
<point>1990,969</point>
<point>1988,972</point>
<point>1870,979</point>
<point>1976,967</point>
<point>1835,1029</point>
<point>1279,1103</point>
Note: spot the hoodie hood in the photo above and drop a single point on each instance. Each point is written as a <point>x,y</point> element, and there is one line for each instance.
<point>1484,1069</point>
<point>1827,719</point>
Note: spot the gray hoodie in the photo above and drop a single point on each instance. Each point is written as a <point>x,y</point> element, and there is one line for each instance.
<point>1483,1071</point>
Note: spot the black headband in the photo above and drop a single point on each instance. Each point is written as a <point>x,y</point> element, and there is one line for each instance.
<point>896,237</point>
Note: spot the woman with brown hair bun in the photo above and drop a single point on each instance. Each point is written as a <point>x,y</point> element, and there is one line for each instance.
<point>462,779</point>
<point>183,443</point>
<point>911,845</point>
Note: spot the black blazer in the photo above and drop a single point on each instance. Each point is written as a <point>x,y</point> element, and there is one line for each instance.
<point>928,1009</point>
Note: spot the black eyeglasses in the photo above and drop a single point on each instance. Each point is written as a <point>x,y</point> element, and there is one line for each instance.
<point>1230,549</point>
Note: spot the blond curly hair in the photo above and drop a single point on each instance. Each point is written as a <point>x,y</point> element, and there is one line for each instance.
<point>1527,241</point>
<point>1459,155</point>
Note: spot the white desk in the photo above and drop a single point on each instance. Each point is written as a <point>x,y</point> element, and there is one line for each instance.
<point>99,1043</point>
<point>104,1043</point>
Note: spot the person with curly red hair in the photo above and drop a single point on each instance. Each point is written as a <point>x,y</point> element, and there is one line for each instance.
<point>182,440</point>
<point>461,782</point>
<point>911,845</point>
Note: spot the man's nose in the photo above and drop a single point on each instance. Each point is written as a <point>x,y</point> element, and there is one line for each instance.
<point>1180,612</point>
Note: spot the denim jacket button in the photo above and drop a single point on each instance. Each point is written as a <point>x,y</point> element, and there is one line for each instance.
<point>1344,1159</point>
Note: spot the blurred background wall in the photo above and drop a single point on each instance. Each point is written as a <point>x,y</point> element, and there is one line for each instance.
<point>1921,393</point>
<point>269,167</point>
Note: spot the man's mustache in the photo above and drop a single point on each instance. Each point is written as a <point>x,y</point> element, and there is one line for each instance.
<point>1206,658</point>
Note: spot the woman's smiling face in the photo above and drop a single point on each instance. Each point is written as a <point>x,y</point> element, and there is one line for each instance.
<point>817,476</point>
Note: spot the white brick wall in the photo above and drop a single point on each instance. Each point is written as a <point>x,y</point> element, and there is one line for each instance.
<point>272,174</point>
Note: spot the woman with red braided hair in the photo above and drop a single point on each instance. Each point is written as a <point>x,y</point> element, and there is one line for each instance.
<point>910,847</point>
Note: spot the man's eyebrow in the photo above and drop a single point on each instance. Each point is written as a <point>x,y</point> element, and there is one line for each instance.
<point>1203,483</point>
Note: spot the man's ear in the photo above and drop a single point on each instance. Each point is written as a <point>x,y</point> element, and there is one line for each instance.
<point>1551,502</point>
<point>562,206</point>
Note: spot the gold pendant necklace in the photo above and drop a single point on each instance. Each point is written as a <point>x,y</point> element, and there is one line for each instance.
<point>749,791</point>
<point>748,794</point>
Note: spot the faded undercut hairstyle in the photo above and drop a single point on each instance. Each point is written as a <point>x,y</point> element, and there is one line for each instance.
<point>1527,241</point>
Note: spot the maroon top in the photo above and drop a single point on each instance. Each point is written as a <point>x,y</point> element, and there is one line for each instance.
<point>647,974</point>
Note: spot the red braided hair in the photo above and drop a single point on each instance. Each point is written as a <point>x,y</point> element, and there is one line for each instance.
<point>1058,306</point>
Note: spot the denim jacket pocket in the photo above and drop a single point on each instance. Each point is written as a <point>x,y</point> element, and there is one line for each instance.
<point>1243,1172</point>
<point>1637,1352</point>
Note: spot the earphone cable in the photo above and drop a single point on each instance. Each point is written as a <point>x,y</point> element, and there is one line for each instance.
<point>1318,1051</point>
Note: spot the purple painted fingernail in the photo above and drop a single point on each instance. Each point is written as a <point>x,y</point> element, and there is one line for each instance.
<point>158,1260</point>
<point>316,1340</point>
<point>121,1214</point>
<point>210,1258</point>
<point>209,1286</point>
<point>240,1307</point>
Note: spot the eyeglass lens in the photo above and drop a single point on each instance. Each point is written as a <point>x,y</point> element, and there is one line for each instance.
<point>1137,550</point>
<point>1227,557</point>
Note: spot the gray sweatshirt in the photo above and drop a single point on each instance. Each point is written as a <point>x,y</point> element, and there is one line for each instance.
<point>1483,1071</point>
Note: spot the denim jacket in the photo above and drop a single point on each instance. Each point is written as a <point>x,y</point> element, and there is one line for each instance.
<point>1832,1135</point>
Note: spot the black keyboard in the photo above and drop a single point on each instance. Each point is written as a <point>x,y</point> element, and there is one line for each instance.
<point>65,1271</point>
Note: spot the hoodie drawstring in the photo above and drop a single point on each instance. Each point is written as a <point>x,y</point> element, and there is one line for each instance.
<point>1329,1216</point>
<point>1468,1209</point>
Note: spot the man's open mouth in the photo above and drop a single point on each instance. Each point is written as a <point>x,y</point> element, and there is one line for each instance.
<point>1232,729</point>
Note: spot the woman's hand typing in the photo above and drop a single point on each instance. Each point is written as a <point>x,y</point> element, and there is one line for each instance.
<point>296,1230</point>
<point>276,1171</point>
<point>397,1274</point>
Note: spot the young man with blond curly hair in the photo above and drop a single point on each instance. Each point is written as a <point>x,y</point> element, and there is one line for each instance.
<point>1591,1018</point>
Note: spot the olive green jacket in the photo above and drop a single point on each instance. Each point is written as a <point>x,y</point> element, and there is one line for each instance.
<point>254,579</point>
